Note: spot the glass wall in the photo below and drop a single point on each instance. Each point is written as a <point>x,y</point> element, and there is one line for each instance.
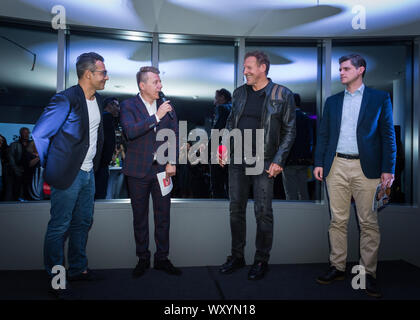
<point>388,68</point>
<point>191,74</point>
<point>296,68</point>
<point>28,76</point>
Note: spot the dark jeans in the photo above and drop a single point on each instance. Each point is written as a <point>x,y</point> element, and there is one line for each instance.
<point>263,194</point>
<point>72,215</point>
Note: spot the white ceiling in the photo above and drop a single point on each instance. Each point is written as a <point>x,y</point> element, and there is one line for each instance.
<point>262,18</point>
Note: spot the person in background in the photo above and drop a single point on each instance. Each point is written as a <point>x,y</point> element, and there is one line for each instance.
<point>31,163</point>
<point>219,175</point>
<point>110,118</point>
<point>295,173</point>
<point>3,166</point>
<point>16,150</point>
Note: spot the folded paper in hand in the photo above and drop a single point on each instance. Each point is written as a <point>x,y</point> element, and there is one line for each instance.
<point>381,197</point>
<point>165,184</point>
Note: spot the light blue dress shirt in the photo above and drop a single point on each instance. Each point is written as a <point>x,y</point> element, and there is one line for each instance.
<point>347,141</point>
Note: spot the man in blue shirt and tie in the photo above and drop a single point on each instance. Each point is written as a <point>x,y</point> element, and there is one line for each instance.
<point>355,151</point>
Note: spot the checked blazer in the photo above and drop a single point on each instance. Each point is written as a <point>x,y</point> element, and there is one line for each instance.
<point>138,127</point>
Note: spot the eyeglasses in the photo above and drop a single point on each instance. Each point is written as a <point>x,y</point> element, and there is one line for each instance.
<point>104,72</point>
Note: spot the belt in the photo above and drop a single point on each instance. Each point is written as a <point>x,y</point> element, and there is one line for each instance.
<point>348,156</point>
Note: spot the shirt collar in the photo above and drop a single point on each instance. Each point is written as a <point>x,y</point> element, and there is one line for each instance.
<point>360,90</point>
<point>145,102</point>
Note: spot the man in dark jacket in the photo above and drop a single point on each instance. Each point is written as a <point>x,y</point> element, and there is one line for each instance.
<point>110,117</point>
<point>16,150</point>
<point>259,104</point>
<point>69,139</point>
<point>219,175</point>
<point>295,174</point>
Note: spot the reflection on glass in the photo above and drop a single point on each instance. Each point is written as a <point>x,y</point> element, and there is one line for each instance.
<point>296,69</point>
<point>387,72</point>
<point>26,86</point>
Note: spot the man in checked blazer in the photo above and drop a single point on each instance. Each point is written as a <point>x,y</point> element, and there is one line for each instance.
<point>141,118</point>
<point>355,152</point>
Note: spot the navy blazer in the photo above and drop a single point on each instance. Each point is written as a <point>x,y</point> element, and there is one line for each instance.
<point>375,133</point>
<point>61,136</point>
<point>138,127</point>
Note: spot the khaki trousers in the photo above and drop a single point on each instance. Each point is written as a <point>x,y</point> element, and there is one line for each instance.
<point>346,179</point>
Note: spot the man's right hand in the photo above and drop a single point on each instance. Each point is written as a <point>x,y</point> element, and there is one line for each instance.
<point>164,108</point>
<point>222,155</point>
<point>318,173</point>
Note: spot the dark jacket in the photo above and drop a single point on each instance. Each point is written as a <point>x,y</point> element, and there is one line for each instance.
<point>375,133</point>
<point>301,152</point>
<point>61,136</point>
<point>138,127</point>
<point>277,120</point>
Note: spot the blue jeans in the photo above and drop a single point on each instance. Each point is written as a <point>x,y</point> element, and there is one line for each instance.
<point>71,216</point>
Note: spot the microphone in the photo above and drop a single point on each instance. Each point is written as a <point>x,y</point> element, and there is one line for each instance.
<point>163,98</point>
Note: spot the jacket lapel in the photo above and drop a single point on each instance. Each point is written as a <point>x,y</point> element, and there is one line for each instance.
<point>339,112</point>
<point>142,108</point>
<point>363,106</point>
<point>83,108</point>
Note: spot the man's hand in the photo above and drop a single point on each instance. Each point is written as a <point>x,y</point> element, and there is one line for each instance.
<point>274,170</point>
<point>387,179</point>
<point>318,173</point>
<point>164,108</point>
<point>222,155</point>
<point>170,170</point>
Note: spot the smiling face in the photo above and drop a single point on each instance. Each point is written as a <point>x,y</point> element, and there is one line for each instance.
<point>349,73</point>
<point>98,78</point>
<point>151,87</point>
<point>253,72</point>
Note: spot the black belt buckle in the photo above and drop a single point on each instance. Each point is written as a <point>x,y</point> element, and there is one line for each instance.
<point>347,156</point>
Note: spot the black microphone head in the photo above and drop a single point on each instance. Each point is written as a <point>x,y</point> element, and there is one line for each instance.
<point>162,96</point>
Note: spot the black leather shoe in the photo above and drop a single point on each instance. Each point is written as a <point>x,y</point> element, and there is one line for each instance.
<point>258,270</point>
<point>372,287</point>
<point>331,275</point>
<point>168,267</point>
<point>231,265</point>
<point>141,268</point>
<point>88,276</point>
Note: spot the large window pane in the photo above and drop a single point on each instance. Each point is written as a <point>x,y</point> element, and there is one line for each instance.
<point>191,73</point>
<point>389,69</point>
<point>26,86</point>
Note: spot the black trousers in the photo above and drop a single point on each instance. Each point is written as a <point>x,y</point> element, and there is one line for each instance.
<point>140,190</point>
<point>239,185</point>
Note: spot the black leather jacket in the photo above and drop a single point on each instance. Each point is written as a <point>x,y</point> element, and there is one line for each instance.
<point>277,120</point>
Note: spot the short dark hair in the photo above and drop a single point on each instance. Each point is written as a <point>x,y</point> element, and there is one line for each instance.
<point>109,100</point>
<point>261,57</point>
<point>21,130</point>
<point>86,61</point>
<point>225,93</point>
<point>141,75</point>
<point>297,99</point>
<point>356,60</point>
